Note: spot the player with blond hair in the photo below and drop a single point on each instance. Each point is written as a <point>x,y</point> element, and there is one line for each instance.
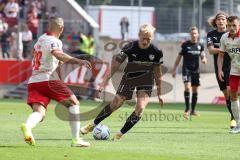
<point>44,83</point>
<point>144,65</point>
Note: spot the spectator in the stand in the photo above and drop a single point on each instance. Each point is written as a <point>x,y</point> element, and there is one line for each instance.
<point>23,8</point>
<point>87,47</point>
<point>4,38</point>
<point>87,44</point>
<point>27,41</point>
<point>124,24</point>
<point>11,12</point>
<point>45,22</point>
<point>3,24</point>
<point>16,43</point>
<point>32,21</point>
<point>53,12</point>
<point>40,5</point>
<point>2,5</point>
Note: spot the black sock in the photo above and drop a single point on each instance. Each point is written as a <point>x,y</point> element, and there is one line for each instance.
<point>131,121</point>
<point>194,101</point>
<point>103,114</point>
<point>186,97</point>
<point>228,102</point>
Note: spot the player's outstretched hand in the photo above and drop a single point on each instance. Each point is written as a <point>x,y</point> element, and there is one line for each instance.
<point>160,100</point>
<point>85,63</point>
<point>220,75</point>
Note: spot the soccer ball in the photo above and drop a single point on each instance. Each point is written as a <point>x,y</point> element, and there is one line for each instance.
<point>101,132</point>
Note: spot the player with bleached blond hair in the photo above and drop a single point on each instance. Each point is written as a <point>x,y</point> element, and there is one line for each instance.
<point>44,84</point>
<point>144,65</point>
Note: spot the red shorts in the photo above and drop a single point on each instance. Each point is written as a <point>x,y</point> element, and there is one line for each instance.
<point>234,83</point>
<point>43,92</point>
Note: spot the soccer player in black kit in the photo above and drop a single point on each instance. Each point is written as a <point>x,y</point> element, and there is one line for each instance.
<point>144,65</point>
<point>219,22</point>
<point>191,51</point>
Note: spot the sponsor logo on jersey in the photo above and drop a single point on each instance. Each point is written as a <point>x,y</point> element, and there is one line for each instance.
<point>151,57</point>
<point>134,55</point>
<point>234,50</point>
<point>199,47</point>
<point>54,45</point>
<point>194,52</point>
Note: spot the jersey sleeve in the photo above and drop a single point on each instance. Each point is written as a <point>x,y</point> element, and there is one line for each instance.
<point>183,49</point>
<point>222,44</point>
<point>159,57</point>
<point>124,53</point>
<point>55,45</point>
<point>202,48</point>
<point>209,40</point>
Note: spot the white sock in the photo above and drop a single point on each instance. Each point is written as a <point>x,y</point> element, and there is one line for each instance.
<point>33,119</point>
<point>74,121</point>
<point>235,110</point>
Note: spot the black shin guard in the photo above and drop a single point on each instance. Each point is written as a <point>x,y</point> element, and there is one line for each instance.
<point>228,103</point>
<point>131,121</point>
<point>186,97</point>
<point>103,114</point>
<point>194,101</point>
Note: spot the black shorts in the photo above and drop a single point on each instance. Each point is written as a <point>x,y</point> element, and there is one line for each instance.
<point>223,84</point>
<point>127,88</point>
<point>193,77</point>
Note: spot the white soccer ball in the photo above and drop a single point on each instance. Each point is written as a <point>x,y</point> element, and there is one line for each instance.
<point>101,132</point>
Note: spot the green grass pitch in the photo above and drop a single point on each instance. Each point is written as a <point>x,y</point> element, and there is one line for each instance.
<point>161,134</point>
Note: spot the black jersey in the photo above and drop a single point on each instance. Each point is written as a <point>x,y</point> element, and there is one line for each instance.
<point>140,61</point>
<point>213,39</point>
<point>191,53</point>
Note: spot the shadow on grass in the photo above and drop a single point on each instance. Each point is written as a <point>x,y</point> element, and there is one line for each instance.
<point>11,146</point>
<point>174,132</point>
<point>59,139</point>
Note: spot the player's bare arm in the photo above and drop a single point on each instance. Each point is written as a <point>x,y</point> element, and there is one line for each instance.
<point>117,60</point>
<point>61,56</point>
<point>177,61</point>
<point>213,50</point>
<point>158,80</point>
<point>220,64</point>
<point>116,63</point>
<point>203,58</point>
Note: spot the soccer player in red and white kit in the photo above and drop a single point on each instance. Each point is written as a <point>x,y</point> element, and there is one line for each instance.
<point>230,44</point>
<point>45,85</point>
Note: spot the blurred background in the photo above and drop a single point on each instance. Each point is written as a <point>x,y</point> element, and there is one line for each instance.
<point>101,28</point>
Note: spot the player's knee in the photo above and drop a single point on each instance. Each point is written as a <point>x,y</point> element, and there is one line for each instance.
<point>234,98</point>
<point>194,89</point>
<point>139,110</point>
<point>43,117</point>
<point>117,102</point>
<point>187,89</point>
<point>40,109</point>
<point>73,100</point>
